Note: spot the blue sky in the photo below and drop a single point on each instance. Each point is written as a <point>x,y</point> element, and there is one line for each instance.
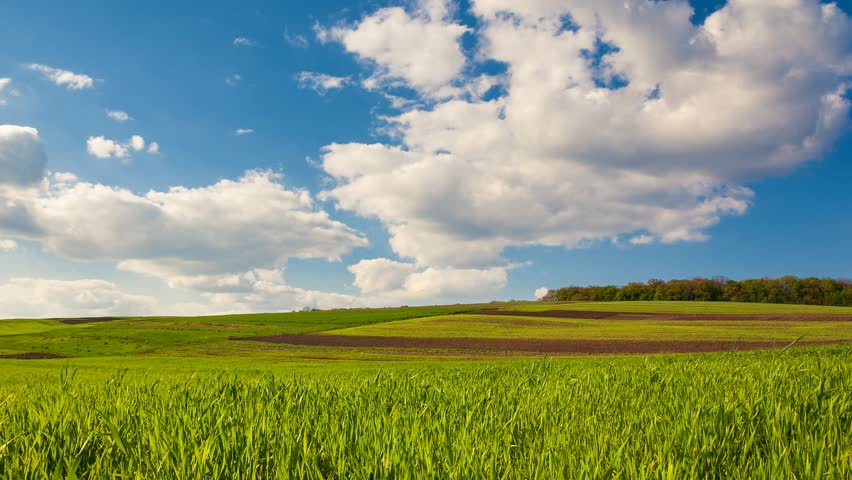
<point>440,208</point>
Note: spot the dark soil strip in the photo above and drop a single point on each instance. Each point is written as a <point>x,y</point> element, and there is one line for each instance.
<point>524,345</point>
<point>30,356</point>
<point>80,321</point>
<point>586,315</point>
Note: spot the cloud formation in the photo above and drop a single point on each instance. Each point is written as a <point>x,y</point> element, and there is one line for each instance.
<point>118,115</point>
<point>419,47</point>
<point>244,42</point>
<point>64,78</point>
<point>320,82</point>
<point>626,122</point>
<point>4,82</point>
<point>22,156</point>
<point>7,246</point>
<point>39,298</point>
<point>227,228</point>
<point>102,147</point>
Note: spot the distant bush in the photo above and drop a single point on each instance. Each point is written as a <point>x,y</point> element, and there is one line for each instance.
<point>787,289</point>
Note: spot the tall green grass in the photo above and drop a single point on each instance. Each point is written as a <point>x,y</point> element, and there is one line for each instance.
<point>738,415</point>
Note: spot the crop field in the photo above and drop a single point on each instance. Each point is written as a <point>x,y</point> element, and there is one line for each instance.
<point>516,390</point>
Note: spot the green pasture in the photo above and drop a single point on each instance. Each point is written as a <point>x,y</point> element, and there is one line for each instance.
<point>187,335</point>
<point>759,415</point>
<point>506,327</point>
<point>678,307</point>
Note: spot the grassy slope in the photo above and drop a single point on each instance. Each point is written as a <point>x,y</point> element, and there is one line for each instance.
<point>165,341</point>
<point>679,307</point>
<point>485,326</point>
<point>731,415</point>
<point>186,335</point>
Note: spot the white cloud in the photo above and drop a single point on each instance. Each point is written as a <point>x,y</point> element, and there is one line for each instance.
<point>243,131</point>
<point>137,143</point>
<point>568,156</point>
<point>8,245</point>
<point>296,40</point>
<point>70,80</point>
<point>642,240</point>
<point>383,281</point>
<point>244,42</point>
<point>226,228</point>
<point>233,80</point>
<point>37,297</point>
<point>118,115</point>
<point>4,82</point>
<point>420,47</point>
<point>102,147</point>
<point>260,290</point>
<point>22,156</point>
<point>320,82</point>
<point>105,148</point>
<point>540,292</point>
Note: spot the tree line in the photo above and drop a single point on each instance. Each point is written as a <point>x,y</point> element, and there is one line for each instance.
<point>788,289</point>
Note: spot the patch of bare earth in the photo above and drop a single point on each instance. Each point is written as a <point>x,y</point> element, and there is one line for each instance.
<point>593,347</point>
<point>590,315</point>
<point>81,321</point>
<point>30,356</point>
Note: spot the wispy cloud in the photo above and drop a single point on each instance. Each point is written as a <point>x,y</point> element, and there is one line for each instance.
<point>244,42</point>
<point>8,246</point>
<point>233,80</point>
<point>244,131</point>
<point>118,115</point>
<point>320,82</point>
<point>4,82</point>
<point>296,40</point>
<point>64,78</point>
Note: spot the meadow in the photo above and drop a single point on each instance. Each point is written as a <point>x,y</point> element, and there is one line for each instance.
<point>185,398</point>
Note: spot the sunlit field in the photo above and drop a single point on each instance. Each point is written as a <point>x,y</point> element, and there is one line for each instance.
<point>223,397</point>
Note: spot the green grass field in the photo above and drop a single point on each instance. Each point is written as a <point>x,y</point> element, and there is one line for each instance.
<point>488,326</point>
<point>174,397</point>
<point>679,307</point>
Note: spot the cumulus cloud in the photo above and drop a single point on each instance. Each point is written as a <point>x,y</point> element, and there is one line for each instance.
<point>233,80</point>
<point>243,131</point>
<point>320,82</point>
<point>418,47</point>
<point>244,42</point>
<point>118,115</point>
<point>64,78</point>
<point>540,292</point>
<point>385,281</point>
<point>36,297</point>
<point>102,147</point>
<point>633,123</point>
<point>381,282</point>
<point>22,156</point>
<point>8,246</point>
<point>137,142</point>
<point>229,227</point>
